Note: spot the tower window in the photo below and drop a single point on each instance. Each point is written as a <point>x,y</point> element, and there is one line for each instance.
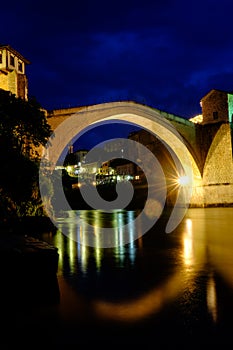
<point>215,115</point>
<point>20,66</point>
<point>12,61</point>
<point>0,56</point>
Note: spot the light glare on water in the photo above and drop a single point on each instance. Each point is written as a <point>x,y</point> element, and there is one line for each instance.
<point>174,279</point>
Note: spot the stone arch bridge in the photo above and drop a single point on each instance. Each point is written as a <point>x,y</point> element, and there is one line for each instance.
<point>208,148</point>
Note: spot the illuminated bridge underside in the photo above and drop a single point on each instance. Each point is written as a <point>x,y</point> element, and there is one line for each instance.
<point>214,186</point>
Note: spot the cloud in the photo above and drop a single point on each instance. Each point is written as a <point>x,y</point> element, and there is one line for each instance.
<point>164,53</point>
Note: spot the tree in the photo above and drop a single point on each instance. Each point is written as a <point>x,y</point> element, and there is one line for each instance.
<point>23,130</point>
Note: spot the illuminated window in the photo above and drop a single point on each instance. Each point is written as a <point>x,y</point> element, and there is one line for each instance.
<point>12,61</point>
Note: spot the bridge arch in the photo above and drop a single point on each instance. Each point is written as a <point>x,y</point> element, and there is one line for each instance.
<point>143,116</point>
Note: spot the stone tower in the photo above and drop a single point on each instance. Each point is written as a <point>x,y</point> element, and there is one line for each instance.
<point>12,72</point>
<point>217,106</point>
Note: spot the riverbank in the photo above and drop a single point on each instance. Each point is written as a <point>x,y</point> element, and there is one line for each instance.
<point>28,268</point>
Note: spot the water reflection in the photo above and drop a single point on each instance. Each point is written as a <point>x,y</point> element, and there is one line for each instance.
<point>188,243</point>
<point>134,281</point>
<point>212,297</point>
<point>71,251</point>
<point>179,278</point>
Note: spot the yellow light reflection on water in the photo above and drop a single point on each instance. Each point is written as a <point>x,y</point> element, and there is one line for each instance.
<point>83,251</point>
<point>143,306</point>
<point>212,298</point>
<point>72,247</point>
<point>220,241</point>
<point>205,238</point>
<point>188,243</point>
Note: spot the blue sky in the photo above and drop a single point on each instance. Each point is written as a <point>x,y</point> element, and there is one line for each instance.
<point>166,54</point>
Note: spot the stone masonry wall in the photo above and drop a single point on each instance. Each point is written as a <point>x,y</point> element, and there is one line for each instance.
<point>215,102</point>
<point>12,82</point>
<point>22,86</point>
<point>218,169</point>
<point>3,81</point>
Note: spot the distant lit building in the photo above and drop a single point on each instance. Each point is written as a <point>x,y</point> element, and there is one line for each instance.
<point>80,155</point>
<point>106,169</point>
<point>116,145</point>
<point>13,72</point>
<point>143,137</point>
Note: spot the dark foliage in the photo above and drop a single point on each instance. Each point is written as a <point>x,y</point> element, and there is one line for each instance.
<point>23,131</point>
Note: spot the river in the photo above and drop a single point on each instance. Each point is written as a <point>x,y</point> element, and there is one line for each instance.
<point>158,291</point>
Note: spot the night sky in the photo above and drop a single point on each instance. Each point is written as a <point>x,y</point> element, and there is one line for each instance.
<point>165,54</point>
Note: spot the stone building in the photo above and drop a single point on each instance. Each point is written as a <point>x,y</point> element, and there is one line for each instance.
<point>217,106</point>
<point>13,72</point>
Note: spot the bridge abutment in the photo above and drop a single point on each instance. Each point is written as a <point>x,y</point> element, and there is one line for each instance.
<point>218,169</point>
